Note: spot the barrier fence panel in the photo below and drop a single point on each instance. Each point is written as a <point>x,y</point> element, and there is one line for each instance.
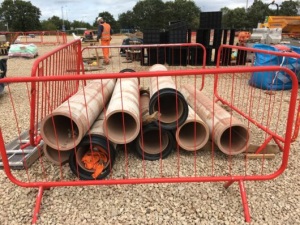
<point>65,60</point>
<point>36,37</point>
<point>134,124</point>
<point>269,83</point>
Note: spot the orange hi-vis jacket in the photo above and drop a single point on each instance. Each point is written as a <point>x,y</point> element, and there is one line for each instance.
<point>105,36</point>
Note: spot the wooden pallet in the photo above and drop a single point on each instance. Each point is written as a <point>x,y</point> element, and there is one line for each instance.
<point>22,158</point>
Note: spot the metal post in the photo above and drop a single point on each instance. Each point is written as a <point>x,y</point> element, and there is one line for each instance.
<point>63,22</point>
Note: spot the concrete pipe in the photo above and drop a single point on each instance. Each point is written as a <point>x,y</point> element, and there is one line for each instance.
<point>144,103</point>
<point>93,143</point>
<point>55,156</point>
<point>230,134</point>
<point>168,101</point>
<point>154,143</point>
<point>64,128</point>
<point>193,134</point>
<point>122,122</point>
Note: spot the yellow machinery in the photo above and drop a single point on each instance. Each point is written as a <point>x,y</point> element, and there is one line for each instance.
<point>290,24</point>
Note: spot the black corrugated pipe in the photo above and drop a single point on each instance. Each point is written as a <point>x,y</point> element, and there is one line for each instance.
<point>154,143</point>
<point>92,143</point>
<point>167,100</point>
<point>172,114</point>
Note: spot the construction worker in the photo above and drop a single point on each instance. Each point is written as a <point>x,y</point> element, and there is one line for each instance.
<point>104,36</point>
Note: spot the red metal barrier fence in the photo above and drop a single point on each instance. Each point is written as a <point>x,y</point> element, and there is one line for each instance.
<point>36,37</point>
<point>148,119</point>
<point>289,58</point>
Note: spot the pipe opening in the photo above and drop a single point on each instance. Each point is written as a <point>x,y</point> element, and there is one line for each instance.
<point>234,140</point>
<point>115,130</point>
<point>191,141</point>
<point>81,151</point>
<point>55,156</point>
<point>152,143</point>
<point>169,111</point>
<point>88,171</point>
<point>60,131</point>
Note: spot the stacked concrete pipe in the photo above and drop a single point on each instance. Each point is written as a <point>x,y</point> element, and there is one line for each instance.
<point>93,141</point>
<point>193,134</point>
<point>64,128</point>
<point>55,156</point>
<point>167,100</point>
<point>122,122</point>
<point>230,134</point>
<point>153,142</point>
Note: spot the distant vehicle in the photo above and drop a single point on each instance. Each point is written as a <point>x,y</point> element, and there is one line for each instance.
<point>290,25</point>
<point>127,41</point>
<point>88,35</point>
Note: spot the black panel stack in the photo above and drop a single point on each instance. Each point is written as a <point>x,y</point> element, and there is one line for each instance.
<point>154,55</point>
<point>210,24</point>
<point>211,36</point>
<point>211,20</point>
<point>177,34</point>
<point>226,52</point>
<point>151,36</point>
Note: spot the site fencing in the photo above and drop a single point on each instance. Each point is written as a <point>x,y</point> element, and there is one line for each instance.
<point>166,123</point>
<point>36,37</point>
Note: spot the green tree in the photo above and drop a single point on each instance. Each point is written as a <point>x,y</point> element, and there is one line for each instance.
<point>127,21</point>
<point>149,14</point>
<point>289,8</point>
<point>20,15</point>
<point>256,13</point>
<point>79,24</point>
<point>236,18</point>
<point>226,13</point>
<point>48,25</point>
<point>183,10</point>
<point>54,23</point>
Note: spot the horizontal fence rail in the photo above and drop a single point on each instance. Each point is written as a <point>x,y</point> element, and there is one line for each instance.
<point>130,123</point>
<point>268,82</point>
<point>36,37</point>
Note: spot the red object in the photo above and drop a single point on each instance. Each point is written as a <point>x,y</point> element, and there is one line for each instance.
<point>59,74</point>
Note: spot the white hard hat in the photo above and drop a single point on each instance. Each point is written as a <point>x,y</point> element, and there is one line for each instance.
<point>99,19</point>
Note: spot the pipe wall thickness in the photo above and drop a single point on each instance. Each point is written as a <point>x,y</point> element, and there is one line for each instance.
<point>122,122</point>
<point>94,140</point>
<point>55,156</point>
<point>64,128</point>
<point>230,134</point>
<point>193,134</point>
<point>153,142</point>
<point>167,100</point>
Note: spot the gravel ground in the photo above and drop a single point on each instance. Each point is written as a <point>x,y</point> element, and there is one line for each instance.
<point>270,202</point>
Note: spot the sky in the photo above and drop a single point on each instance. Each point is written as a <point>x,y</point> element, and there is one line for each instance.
<point>88,10</point>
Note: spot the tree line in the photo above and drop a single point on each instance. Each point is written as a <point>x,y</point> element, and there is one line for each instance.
<point>18,15</point>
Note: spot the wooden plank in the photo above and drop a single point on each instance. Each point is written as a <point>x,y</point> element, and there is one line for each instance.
<point>260,156</point>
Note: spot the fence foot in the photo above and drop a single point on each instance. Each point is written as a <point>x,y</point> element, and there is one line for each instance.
<point>244,198</point>
<point>226,185</point>
<point>244,201</point>
<point>37,204</point>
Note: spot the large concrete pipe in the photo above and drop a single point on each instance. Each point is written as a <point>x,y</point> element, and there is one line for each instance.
<point>230,134</point>
<point>122,122</point>
<point>168,101</point>
<point>193,134</point>
<point>95,155</point>
<point>153,142</point>
<point>55,156</point>
<point>64,128</point>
